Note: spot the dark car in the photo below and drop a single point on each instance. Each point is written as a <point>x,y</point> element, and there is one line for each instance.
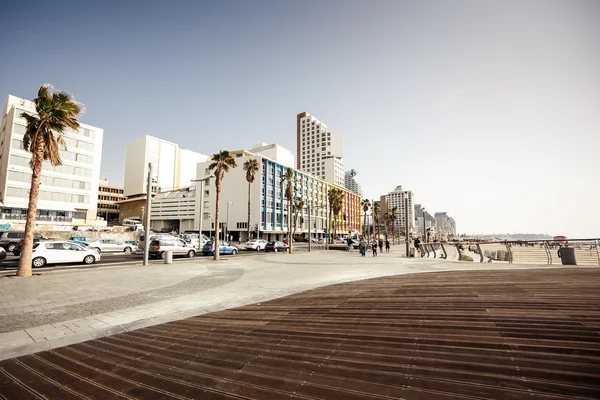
<point>36,239</point>
<point>10,239</point>
<point>276,246</point>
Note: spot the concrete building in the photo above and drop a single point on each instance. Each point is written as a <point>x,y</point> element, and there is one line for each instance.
<point>445,225</point>
<point>351,184</point>
<point>176,210</point>
<point>172,167</point>
<point>68,192</point>
<point>108,198</point>
<point>424,219</point>
<point>396,198</point>
<point>319,150</point>
<point>276,152</point>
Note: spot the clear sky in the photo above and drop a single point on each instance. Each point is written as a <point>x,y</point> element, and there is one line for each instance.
<point>489,110</point>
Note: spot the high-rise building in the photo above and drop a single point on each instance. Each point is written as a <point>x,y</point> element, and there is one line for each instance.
<point>68,193</point>
<point>351,184</point>
<point>396,198</point>
<point>108,196</point>
<point>319,150</point>
<point>172,167</point>
<point>445,225</point>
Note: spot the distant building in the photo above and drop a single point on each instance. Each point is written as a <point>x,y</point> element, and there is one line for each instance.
<point>351,184</point>
<point>172,167</point>
<point>275,152</point>
<point>445,225</point>
<point>423,219</point>
<point>396,198</point>
<point>68,193</point>
<point>319,150</point>
<point>108,198</point>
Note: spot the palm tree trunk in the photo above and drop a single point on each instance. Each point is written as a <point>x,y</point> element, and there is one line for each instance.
<point>24,268</point>
<point>365,222</point>
<point>219,175</point>
<point>249,205</point>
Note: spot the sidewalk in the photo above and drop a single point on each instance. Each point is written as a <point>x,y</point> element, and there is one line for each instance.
<point>64,307</point>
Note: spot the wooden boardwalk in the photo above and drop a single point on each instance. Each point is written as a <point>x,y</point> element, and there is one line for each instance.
<point>503,334</point>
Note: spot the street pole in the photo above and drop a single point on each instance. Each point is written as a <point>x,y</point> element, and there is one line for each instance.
<point>227,226</point>
<point>309,230</point>
<point>406,225</point>
<point>147,219</point>
<point>424,226</point>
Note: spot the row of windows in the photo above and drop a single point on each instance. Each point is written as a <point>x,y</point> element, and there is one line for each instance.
<point>110,190</point>
<point>110,198</point>
<point>64,155</point>
<point>48,180</point>
<point>45,213</point>
<point>242,225</point>
<point>71,142</point>
<point>44,195</point>
<point>108,206</point>
<point>63,169</point>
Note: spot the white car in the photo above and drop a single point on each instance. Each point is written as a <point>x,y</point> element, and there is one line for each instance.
<point>56,252</point>
<point>256,244</point>
<point>109,245</point>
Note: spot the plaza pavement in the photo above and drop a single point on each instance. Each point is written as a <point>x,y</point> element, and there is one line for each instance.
<point>59,308</point>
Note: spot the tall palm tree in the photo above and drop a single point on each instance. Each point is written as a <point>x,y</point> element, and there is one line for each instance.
<point>251,168</point>
<point>335,197</point>
<point>56,111</point>
<point>376,211</point>
<point>365,204</point>
<point>289,179</point>
<point>298,206</point>
<point>221,162</point>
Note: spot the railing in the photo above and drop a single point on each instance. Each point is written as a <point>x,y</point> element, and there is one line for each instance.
<point>587,251</point>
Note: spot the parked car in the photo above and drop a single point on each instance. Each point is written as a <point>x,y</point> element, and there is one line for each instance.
<point>82,239</point>
<point>36,238</point>
<point>276,246</point>
<point>109,245</point>
<point>158,248</point>
<point>2,253</point>
<point>58,251</point>
<point>10,239</point>
<point>256,244</point>
<point>224,248</point>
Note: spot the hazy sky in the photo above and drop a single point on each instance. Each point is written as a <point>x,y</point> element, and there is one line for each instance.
<point>489,110</point>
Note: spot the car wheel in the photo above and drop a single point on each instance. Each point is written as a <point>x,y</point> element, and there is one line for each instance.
<point>11,247</point>
<point>127,249</point>
<point>233,252</point>
<point>191,254</point>
<point>89,259</point>
<point>163,255</point>
<point>16,253</point>
<point>38,262</point>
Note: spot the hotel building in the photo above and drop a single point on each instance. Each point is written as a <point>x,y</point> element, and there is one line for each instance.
<point>68,192</point>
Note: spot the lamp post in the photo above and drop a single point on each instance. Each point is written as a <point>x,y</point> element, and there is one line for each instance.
<point>200,207</point>
<point>227,222</point>
<point>147,219</point>
<point>424,226</point>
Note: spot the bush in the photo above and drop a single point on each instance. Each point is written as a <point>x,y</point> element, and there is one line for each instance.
<point>466,258</point>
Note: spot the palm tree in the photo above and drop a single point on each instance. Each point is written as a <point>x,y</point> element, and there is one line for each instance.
<point>366,204</point>
<point>376,211</point>
<point>56,111</point>
<point>251,168</point>
<point>289,179</point>
<point>298,206</point>
<point>221,162</point>
<point>336,201</point>
<point>393,218</point>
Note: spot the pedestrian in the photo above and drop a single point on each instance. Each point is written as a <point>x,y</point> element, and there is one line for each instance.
<point>363,247</point>
<point>374,248</point>
<point>380,246</point>
<point>387,246</point>
<point>349,242</point>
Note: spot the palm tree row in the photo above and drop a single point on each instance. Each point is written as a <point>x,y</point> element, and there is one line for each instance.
<point>335,197</point>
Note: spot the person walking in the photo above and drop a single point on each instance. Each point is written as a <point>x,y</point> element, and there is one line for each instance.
<point>363,247</point>
<point>387,246</point>
<point>380,246</point>
<point>374,248</point>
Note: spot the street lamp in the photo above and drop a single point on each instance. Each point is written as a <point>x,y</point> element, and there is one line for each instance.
<point>227,226</point>
<point>200,207</point>
<point>424,226</point>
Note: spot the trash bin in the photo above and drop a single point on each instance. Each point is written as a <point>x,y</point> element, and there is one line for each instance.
<point>567,255</point>
<point>169,257</point>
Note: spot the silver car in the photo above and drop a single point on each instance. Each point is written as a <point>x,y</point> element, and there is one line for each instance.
<point>158,248</point>
<point>109,245</point>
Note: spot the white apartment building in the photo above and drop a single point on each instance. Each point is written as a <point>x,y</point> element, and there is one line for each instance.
<point>68,192</point>
<point>319,150</point>
<point>351,184</point>
<point>172,167</point>
<point>396,198</point>
<point>275,152</point>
